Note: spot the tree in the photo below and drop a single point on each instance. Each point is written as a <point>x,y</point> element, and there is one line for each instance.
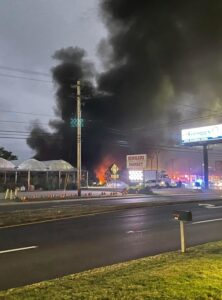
<point>7,154</point>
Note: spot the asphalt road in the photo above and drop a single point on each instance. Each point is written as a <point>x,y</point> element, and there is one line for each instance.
<point>42,251</point>
<point>163,197</point>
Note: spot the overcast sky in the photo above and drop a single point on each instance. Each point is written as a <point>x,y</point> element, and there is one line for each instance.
<point>30,32</point>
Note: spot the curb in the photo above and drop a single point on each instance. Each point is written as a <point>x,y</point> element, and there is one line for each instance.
<point>75,199</point>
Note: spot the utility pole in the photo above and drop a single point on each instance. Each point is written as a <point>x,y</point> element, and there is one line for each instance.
<point>79,124</point>
<point>172,167</point>
<point>157,152</point>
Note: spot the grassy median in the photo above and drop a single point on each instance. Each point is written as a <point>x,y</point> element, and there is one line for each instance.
<point>19,217</point>
<point>195,275</point>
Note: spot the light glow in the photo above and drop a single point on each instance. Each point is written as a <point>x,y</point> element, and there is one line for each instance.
<point>135,175</point>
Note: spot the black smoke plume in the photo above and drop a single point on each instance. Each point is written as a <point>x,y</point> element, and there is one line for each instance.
<point>60,143</point>
<point>163,71</point>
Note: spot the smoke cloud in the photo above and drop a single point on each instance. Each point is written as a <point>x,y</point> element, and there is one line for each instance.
<point>162,64</point>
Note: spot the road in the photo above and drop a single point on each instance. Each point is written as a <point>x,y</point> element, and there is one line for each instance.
<point>163,196</point>
<point>36,252</point>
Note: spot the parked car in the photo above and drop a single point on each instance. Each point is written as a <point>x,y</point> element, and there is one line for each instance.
<point>155,183</point>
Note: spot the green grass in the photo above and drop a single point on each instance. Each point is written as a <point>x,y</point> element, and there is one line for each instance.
<point>195,275</point>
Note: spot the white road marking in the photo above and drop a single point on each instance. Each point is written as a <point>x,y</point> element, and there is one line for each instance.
<point>18,249</point>
<point>205,204</point>
<point>214,207</point>
<point>206,221</point>
<point>210,206</point>
<point>137,231</point>
<point>192,194</point>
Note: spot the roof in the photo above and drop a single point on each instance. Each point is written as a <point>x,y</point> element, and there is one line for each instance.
<point>58,165</point>
<point>6,164</point>
<point>32,165</point>
<point>36,165</point>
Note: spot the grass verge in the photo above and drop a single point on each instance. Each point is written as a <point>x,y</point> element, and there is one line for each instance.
<point>47,214</point>
<point>195,275</point>
<point>38,215</point>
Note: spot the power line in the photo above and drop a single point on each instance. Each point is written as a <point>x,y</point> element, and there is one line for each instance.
<point>196,107</point>
<point>19,122</point>
<point>26,113</point>
<point>25,137</point>
<point>24,71</point>
<point>14,131</point>
<point>25,78</point>
<point>178,123</point>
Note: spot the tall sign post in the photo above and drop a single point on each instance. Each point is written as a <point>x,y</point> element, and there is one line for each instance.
<point>206,170</point>
<point>114,173</point>
<point>203,136</point>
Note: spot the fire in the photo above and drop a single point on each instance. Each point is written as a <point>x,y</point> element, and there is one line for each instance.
<point>102,168</point>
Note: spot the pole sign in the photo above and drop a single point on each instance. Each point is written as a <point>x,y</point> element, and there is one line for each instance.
<point>114,171</point>
<point>136,162</point>
<point>206,134</point>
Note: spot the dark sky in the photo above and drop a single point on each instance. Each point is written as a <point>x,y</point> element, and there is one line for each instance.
<point>162,70</point>
<point>30,32</point>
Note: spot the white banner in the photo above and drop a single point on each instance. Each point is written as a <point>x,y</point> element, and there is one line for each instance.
<point>136,162</point>
<point>202,134</point>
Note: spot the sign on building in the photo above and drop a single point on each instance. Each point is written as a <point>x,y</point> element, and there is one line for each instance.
<point>136,162</point>
<point>202,134</point>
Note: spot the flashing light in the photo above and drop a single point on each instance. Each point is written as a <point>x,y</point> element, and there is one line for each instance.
<point>199,180</point>
<point>135,175</point>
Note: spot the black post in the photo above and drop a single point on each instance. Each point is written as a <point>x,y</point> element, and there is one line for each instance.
<point>205,160</point>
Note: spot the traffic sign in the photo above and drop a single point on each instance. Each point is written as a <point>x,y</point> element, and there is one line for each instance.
<point>114,169</point>
<point>116,176</point>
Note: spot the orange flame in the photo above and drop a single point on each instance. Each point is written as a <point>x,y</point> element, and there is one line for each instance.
<point>102,168</point>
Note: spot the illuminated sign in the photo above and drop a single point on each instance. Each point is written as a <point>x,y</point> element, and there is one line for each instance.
<point>136,176</point>
<point>74,122</point>
<point>136,162</point>
<point>202,134</point>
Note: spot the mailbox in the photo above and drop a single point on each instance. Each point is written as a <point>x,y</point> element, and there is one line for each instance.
<point>182,215</point>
